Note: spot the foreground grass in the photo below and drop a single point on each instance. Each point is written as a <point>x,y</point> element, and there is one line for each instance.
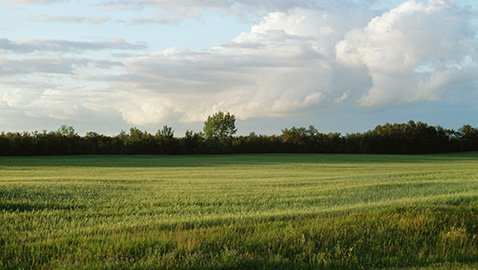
<point>246,211</point>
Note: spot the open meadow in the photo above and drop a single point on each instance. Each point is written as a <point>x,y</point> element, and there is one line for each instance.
<point>281,211</point>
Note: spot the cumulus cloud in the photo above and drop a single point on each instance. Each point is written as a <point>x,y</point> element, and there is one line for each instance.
<point>303,56</point>
<point>12,99</point>
<point>414,52</point>
<point>53,103</point>
<point>309,59</point>
<point>284,65</point>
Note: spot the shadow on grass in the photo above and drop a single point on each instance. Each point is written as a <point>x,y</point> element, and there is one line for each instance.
<point>140,161</point>
<point>28,207</point>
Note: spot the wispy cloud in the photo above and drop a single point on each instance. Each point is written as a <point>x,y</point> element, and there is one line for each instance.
<point>34,45</point>
<point>299,57</point>
<point>169,11</point>
<point>34,2</point>
<point>53,65</point>
<point>97,20</point>
<point>50,65</point>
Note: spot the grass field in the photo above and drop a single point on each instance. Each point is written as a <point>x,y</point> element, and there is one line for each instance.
<point>239,211</point>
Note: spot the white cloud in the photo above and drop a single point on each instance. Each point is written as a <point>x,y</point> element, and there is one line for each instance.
<point>343,97</point>
<point>34,2</point>
<point>58,65</point>
<point>12,99</point>
<point>97,20</point>
<point>285,64</point>
<point>303,56</point>
<point>51,65</point>
<point>35,45</point>
<point>171,11</point>
<point>414,52</point>
<point>265,4</point>
<point>137,110</point>
<point>53,103</point>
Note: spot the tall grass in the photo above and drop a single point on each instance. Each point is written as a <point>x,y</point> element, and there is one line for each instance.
<point>245,211</point>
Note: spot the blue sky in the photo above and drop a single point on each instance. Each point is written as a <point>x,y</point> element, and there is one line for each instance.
<point>342,66</point>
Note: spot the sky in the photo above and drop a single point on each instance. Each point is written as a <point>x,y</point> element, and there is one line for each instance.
<point>342,66</point>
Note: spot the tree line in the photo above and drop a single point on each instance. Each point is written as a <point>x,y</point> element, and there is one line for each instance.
<point>218,137</point>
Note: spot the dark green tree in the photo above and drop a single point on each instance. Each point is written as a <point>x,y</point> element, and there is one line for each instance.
<point>166,142</point>
<point>67,131</point>
<point>165,132</point>
<point>192,142</point>
<point>220,126</point>
<point>469,136</point>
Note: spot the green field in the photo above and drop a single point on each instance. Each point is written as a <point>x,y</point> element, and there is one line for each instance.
<point>279,211</point>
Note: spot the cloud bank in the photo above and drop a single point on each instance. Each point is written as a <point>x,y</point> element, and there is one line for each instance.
<point>300,58</point>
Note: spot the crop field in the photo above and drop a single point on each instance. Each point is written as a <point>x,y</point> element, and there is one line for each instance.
<point>274,211</point>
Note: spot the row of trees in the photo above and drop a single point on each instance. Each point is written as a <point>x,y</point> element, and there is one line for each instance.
<point>218,138</point>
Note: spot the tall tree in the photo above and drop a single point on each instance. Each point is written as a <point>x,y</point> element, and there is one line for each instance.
<point>65,130</point>
<point>220,126</point>
<point>469,136</point>
<point>165,132</point>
